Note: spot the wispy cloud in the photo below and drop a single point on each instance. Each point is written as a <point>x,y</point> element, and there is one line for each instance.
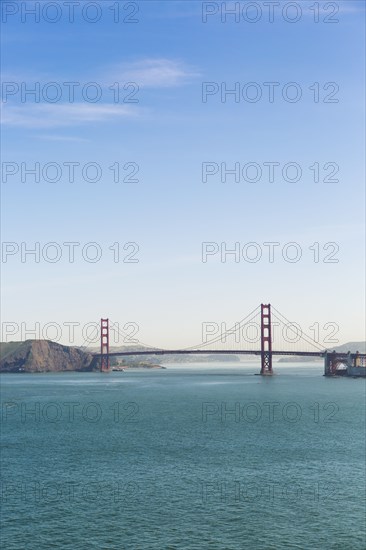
<point>146,73</point>
<point>154,73</point>
<point>58,115</point>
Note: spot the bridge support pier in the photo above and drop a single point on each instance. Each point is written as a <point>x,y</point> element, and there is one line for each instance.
<point>338,364</point>
<point>266,340</point>
<point>330,363</point>
<point>104,345</point>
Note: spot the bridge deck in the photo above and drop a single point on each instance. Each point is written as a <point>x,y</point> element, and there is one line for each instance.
<point>211,352</point>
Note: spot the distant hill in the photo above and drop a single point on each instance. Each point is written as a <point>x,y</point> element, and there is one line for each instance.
<point>178,358</point>
<point>344,348</point>
<point>350,346</point>
<point>300,359</point>
<point>133,347</point>
<point>43,356</point>
<point>198,358</point>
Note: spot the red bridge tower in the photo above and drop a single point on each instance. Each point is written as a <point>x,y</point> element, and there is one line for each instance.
<point>266,339</point>
<point>104,345</point>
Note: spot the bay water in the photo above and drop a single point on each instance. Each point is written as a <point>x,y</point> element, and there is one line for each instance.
<point>193,456</point>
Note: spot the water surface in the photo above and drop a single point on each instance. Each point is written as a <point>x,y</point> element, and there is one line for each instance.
<point>195,456</point>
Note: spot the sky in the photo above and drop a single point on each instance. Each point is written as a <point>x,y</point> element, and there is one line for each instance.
<point>160,136</point>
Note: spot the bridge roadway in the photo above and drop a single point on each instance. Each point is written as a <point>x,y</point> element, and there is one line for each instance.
<point>211,352</point>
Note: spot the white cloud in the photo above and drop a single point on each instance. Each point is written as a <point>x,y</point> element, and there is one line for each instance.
<point>50,116</point>
<point>153,73</point>
<point>148,73</point>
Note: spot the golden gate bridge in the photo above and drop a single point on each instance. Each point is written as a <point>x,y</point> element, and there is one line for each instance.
<point>264,332</point>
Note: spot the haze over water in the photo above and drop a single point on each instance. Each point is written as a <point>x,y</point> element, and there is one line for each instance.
<point>194,456</point>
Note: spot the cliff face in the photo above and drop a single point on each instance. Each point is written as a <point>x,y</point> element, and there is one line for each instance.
<point>43,356</point>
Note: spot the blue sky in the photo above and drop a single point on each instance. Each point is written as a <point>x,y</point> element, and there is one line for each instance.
<point>169,53</point>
